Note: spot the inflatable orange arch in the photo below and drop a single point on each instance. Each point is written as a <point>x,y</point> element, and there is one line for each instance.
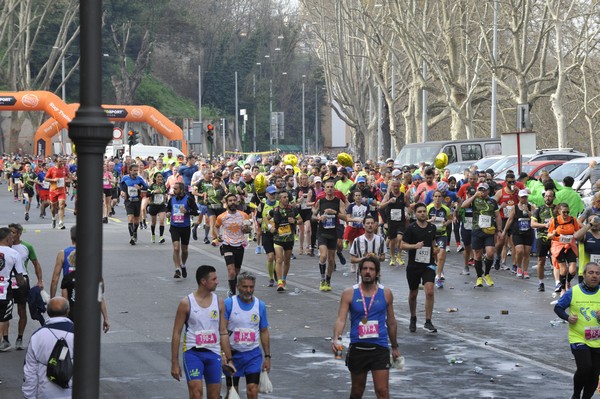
<point>61,114</point>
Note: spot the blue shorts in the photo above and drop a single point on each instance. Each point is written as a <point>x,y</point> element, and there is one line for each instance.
<point>198,364</point>
<point>247,363</point>
<point>202,209</point>
<point>441,241</point>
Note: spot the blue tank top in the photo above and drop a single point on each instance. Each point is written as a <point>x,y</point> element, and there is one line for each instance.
<point>178,217</point>
<point>66,266</point>
<point>377,313</point>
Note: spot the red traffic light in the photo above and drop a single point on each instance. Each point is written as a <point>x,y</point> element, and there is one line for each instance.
<point>210,126</point>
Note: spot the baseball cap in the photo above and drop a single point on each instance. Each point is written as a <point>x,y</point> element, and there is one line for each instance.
<point>349,169</point>
<point>442,186</point>
<point>271,190</point>
<point>317,179</point>
<point>417,176</point>
<point>287,167</point>
<point>361,179</point>
<point>523,193</point>
<point>483,186</point>
<point>396,173</point>
<point>389,160</point>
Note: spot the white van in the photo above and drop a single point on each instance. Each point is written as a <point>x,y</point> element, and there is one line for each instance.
<point>457,151</point>
<point>142,151</point>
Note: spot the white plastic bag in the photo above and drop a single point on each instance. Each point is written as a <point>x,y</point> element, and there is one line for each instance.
<point>233,393</point>
<point>265,385</point>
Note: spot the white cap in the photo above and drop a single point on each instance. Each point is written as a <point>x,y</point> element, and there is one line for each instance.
<point>523,193</point>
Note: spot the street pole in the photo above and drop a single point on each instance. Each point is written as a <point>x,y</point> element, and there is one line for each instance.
<point>237,133</point>
<point>494,88</point>
<point>200,104</point>
<point>316,120</point>
<point>379,123</point>
<point>271,111</point>
<point>254,112</point>
<point>303,128</point>
<point>424,106</point>
<point>91,131</point>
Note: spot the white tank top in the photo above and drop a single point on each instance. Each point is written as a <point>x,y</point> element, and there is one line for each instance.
<point>202,326</point>
<point>245,326</point>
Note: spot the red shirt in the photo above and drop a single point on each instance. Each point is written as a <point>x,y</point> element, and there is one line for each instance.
<point>510,200</point>
<point>57,173</point>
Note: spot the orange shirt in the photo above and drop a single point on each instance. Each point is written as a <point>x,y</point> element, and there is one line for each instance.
<point>231,227</point>
<point>60,174</point>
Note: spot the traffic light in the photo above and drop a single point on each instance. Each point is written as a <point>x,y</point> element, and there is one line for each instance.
<point>133,137</point>
<point>210,134</point>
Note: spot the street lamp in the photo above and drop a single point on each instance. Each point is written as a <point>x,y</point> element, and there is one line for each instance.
<point>303,117</point>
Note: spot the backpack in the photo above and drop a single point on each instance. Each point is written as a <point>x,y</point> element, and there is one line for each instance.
<point>60,366</point>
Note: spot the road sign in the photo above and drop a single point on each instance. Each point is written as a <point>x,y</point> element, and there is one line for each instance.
<point>117,142</point>
<point>117,134</point>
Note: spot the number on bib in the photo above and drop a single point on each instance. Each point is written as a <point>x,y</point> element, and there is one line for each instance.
<point>423,255</point>
<point>369,330</point>
<point>485,221</point>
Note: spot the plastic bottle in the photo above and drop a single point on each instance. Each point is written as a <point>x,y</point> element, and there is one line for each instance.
<point>339,348</point>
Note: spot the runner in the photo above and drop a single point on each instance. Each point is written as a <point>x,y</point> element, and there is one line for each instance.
<point>57,175</point>
<point>285,218</point>
<point>28,182</point>
<point>357,211</point>
<point>265,221</point>
<point>394,204</point>
<point>306,197</point>
<point>506,198</point>
<point>421,243</point>
<point>43,188</point>
<point>563,248</point>
<point>441,217</point>
<point>179,208</point>
<point>133,188</point>
<point>108,181</point>
<point>519,221</point>
<point>372,323</point>
<point>201,313</point>
<point>367,245</point>
<point>233,225</point>
<point>246,321</point>
<point>11,276</point>
<point>158,207</point>
<point>541,222</point>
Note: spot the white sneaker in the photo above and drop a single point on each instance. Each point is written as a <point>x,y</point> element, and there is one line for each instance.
<point>5,346</point>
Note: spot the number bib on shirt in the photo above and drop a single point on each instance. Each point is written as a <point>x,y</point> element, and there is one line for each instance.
<point>423,255</point>
<point>369,330</point>
<point>524,224</point>
<point>507,210</point>
<point>285,230</point>
<point>329,222</point>
<point>592,333</point>
<point>205,337</point>
<point>304,201</point>
<point>439,223</point>
<point>565,238</point>
<point>244,336</point>
<point>485,221</point>
<point>468,223</point>
<point>132,191</point>
<point>158,198</point>
<point>177,216</point>
<point>46,185</point>
<point>3,290</point>
<point>60,182</point>
<point>396,215</point>
<point>595,258</point>
<point>106,182</point>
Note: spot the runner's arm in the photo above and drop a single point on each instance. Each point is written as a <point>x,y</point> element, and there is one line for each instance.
<point>392,324</point>
<point>180,317</point>
<point>340,321</point>
<point>56,273</point>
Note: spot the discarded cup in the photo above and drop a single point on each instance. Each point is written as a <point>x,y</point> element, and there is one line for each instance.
<point>504,312</point>
<point>297,290</point>
<point>455,360</point>
<point>452,310</point>
<point>477,370</point>
<point>556,322</point>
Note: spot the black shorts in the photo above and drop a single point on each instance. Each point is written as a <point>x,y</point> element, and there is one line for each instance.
<point>181,234</point>
<point>395,228</point>
<point>6,307</point>
<point>523,239</point>
<point>330,243</point>
<point>108,192</point>
<point>233,255</point>
<point>214,212</point>
<point>29,191</point>
<point>287,245</point>
<point>305,214</point>
<point>267,242</point>
<point>21,294</point>
<point>480,240</point>
<point>365,357</point>
<point>419,274</point>
<point>543,247</point>
<point>114,193</point>
<point>442,242</point>
<point>155,209</point>
<point>567,256</point>
<point>339,229</point>
<point>465,236</point>
<point>133,207</point>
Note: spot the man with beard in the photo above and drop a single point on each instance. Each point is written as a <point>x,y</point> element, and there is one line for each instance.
<point>133,188</point>
<point>372,322</point>
<point>232,224</point>
<point>246,321</point>
<point>179,208</point>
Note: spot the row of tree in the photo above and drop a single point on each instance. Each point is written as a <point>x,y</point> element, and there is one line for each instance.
<point>546,55</point>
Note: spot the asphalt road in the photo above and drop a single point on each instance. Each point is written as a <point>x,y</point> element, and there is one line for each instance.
<point>514,355</point>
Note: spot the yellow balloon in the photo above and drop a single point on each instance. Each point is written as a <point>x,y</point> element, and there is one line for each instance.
<point>260,183</point>
<point>296,170</point>
<point>345,159</point>
<point>441,160</point>
<point>290,159</point>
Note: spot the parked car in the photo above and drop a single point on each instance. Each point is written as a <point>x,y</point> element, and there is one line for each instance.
<point>457,151</point>
<point>579,170</point>
<point>457,169</point>
<point>565,154</point>
<point>532,168</point>
<point>506,162</point>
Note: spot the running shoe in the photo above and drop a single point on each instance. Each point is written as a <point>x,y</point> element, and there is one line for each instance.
<point>153,239</point>
<point>322,285</point>
<point>558,287</point>
<point>508,253</point>
<point>312,253</point>
<point>131,240</point>
<point>135,236</point>
<point>206,240</point>
<point>526,275</point>
<point>42,215</point>
<point>412,327</point>
<point>280,287</point>
<point>183,271</point>
<point>61,226</point>
<point>341,258</point>
<point>327,286</point>
<point>5,346</point>
<point>514,269</point>
<point>195,232</point>
<point>442,277</point>
<point>479,282</point>
<point>471,262</point>
<point>439,283</point>
<point>177,273</point>
<point>105,220</point>
<point>504,267</point>
<point>271,282</point>
<point>392,261</point>
<point>428,326</point>
<point>345,244</point>
<point>53,223</point>
<point>460,248</point>
<point>519,272</point>
<point>448,248</point>
<point>293,257</point>
<point>497,264</point>
<point>19,344</point>
<point>26,216</point>
<point>162,240</point>
<point>541,287</point>
<point>257,250</point>
<point>466,271</point>
<point>400,260</point>
<point>488,280</point>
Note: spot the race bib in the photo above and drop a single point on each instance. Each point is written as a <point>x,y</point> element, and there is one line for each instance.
<point>3,290</point>
<point>439,223</point>
<point>369,330</point>
<point>592,333</point>
<point>508,210</point>
<point>396,215</point>
<point>285,230</point>
<point>423,255</point>
<point>565,238</point>
<point>244,336</point>
<point>60,182</point>
<point>468,223</point>
<point>106,182</point>
<point>485,221</point>
<point>248,198</point>
<point>329,222</point>
<point>595,258</point>
<point>304,201</point>
<point>524,224</point>
<point>158,198</point>
<point>205,337</point>
<point>177,216</point>
<point>132,191</point>
<point>46,185</point>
